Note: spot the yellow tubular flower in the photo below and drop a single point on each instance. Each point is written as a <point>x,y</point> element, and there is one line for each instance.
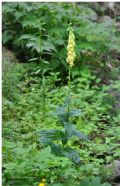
<point>42,183</point>
<point>70,48</point>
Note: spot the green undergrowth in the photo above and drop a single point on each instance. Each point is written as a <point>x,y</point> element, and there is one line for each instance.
<point>25,161</point>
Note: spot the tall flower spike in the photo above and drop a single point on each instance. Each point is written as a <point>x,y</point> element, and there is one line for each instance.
<point>70,48</point>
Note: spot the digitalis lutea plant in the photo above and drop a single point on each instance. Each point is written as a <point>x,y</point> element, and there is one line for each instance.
<point>58,139</point>
<point>70,58</point>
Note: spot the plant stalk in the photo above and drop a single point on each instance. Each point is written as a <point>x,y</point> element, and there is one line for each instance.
<point>44,97</point>
<point>69,89</point>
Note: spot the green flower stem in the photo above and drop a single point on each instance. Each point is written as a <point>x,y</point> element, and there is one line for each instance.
<point>44,97</point>
<point>43,78</point>
<point>69,87</point>
<point>69,80</point>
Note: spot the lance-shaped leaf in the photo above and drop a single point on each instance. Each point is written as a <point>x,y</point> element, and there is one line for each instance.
<point>61,113</point>
<point>67,101</point>
<point>79,134</point>
<point>71,154</point>
<point>71,131</point>
<point>48,136</point>
<point>66,152</point>
<point>74,112</point>
<point>57,149</point>
<point>68,128</point>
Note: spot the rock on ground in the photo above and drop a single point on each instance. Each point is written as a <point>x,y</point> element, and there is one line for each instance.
<point>113,173</point>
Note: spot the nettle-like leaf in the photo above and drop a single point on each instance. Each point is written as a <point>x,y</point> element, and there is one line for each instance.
<point>68,152</point>
<point>75,112</point>
<point>60,113</point>
<point>68,129</point>
<point>57,149</point>
<point>79,134</point>
<point>63,112</point>
<point>71,131</point>
<point>48,136</point>
<point>71,154</point>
